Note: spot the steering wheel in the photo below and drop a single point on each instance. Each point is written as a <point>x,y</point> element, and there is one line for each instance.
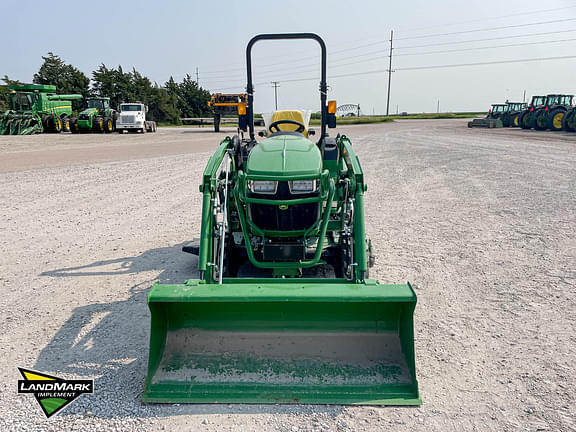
<point>275,124</point>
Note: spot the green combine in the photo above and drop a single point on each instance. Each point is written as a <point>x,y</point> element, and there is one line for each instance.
<point>36,108</point>
<point>284,310</point>
<point>97,116</point>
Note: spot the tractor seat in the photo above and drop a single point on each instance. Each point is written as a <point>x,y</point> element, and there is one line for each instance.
<point>294,115</point>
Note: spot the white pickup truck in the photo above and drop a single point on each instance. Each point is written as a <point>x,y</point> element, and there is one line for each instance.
<point>133,118</point>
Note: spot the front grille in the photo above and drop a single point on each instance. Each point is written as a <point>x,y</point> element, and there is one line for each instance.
<point>295,217</point>
<point>127,119</point>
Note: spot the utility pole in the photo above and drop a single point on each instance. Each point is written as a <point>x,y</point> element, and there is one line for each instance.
<point>438,106</point>
<point>524,96</point>
<point>276,84</point>
<point>389,74</point>
<point>197,76</point>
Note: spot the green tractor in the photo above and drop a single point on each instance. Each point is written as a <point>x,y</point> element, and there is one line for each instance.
<point>36,108</point>
<point>283,309</point>
<point>528,118</point>
<point>551,114</point>
<point>493,119</point>
<point>97,116</point>
<point>511,117</point>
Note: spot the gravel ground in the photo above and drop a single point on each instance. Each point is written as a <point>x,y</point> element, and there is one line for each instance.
<point>481,221</point>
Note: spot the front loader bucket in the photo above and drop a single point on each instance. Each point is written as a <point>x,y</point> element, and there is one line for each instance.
<point>282,341</point>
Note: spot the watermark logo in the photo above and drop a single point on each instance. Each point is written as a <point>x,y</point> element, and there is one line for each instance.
<point>51,392</point>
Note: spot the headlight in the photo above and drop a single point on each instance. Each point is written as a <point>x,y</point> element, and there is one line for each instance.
<point>302,186</point>
<point>263,186</point>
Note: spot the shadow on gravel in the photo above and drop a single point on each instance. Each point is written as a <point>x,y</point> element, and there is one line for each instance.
<point>109,341</point>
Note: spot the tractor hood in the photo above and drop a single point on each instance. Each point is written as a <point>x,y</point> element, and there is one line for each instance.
<point>285,156</point>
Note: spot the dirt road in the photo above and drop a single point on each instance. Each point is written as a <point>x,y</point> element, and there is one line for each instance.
<point>481,221</point>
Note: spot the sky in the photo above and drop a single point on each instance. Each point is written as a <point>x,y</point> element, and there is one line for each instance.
<point>174,38</point>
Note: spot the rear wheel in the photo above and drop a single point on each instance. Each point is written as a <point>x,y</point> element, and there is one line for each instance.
<point>56,124</point>
<point>108,125</point>
<point>516,120</point>
<point>555,118</point>
<point>98,124</point>
<point>65,124</point>
<point>74,126</point>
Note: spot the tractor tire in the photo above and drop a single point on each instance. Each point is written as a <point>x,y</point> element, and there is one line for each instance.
<point>47,123</point>
<point>98,124</point>
<point>523,120</point>
<point>108,125</point>
<point>555,118</point>
<point>154,127</point>
<point>56,124</point>
<point>515,120</point>
<point>74,125</point>
<point>65,124</point>
<point>540,122</point>
<point>568,121</point>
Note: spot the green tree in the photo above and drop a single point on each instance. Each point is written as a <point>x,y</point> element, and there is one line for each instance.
<point>65,77</point>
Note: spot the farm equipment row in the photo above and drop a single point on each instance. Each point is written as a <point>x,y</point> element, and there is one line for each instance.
<point>36,108</point>
<point>554,112</point>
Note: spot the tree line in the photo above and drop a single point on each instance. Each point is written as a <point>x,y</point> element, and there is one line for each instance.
<point>166,103</point>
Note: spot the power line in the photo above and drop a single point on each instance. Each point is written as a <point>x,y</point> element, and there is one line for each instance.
<point>306,70</point>
<point>485,39</point>
<point>533,59</point>
<point>488,29</point>
<point>488,63</point>
<point>272,72</point>
<point>492,18</point>
<point>487,47</point>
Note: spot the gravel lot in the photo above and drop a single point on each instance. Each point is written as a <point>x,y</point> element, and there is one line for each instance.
<point>482,221</point>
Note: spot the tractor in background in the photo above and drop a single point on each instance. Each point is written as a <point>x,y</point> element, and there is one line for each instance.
<point>551,114</point>
<point>492,120</point>
<point>36,108</point>
<point>97,116</point>
<point>511,116</point>
<point>528,117</point>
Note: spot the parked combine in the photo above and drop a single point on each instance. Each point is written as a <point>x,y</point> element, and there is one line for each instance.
<point>36,108</point>
<point>511,117</point>
<point>283,310</point>
<point>492,120</point>
<point>551,114</point>
<point>528,118</point>
<point>97,116</point>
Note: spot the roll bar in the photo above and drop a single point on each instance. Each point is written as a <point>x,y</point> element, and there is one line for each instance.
<point>250,86</point>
